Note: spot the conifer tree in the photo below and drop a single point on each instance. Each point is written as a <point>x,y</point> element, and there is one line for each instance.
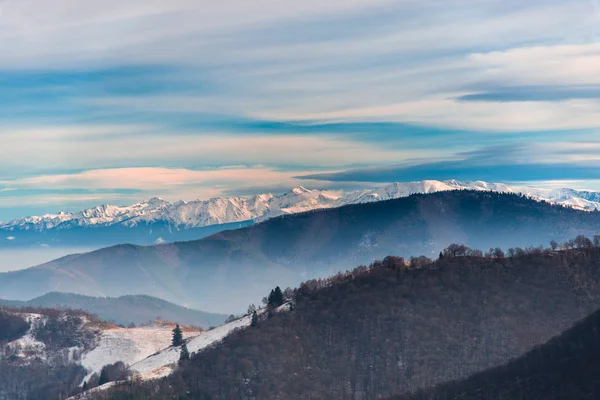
<point>177,336</point>
<point>103,376</point>
<point>85,386</point>
<point>275,297</point>
<point>185,354</point>
<point>254,320</point>
<point>278,296</point>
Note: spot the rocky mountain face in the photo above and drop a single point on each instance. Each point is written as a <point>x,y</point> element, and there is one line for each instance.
<point>223,210</point>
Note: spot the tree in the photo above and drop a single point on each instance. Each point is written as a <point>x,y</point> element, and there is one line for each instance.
<point>441,256</point>
<point>229,319</point>
<point>597,240</point>
<point>498,253</point>
<point>275,297</point>
<point>553,245</point>
<point>254,320</point>
<point>85,386</point>
<point>251,309</point>
<point>177,336</point>
<point>457,250</point>
<point>113,372</point>
<point>583,242</point>
<point>184,355</point>
<point>103,377</point>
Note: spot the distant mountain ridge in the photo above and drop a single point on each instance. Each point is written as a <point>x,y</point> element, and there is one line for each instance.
<point>224,210</point>
<point>124,310</point>
<point>228,270</point>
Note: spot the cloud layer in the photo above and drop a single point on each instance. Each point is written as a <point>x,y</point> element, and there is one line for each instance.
<point>105,103</point>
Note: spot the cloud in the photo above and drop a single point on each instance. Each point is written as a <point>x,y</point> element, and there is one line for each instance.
<point>104,185</point>
<point>154,98</point>
<point>535,93</point>
<point>498,164</point>
<point>123,148</point>
<point>148,178</point>
<point>10,238</point>
<point>491,116</point>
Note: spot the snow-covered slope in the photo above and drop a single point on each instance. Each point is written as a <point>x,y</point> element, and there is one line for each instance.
<point>221,210</point>
<point>162,363</point>
<point>129,345</point>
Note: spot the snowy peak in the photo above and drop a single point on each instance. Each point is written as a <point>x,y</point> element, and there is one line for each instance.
<point>221,210</point>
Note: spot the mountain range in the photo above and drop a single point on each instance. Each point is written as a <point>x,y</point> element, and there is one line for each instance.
<point>228,270</point>
<point>166,217</point>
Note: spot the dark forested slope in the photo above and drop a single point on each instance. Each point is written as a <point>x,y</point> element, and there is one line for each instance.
<point>230,269</point>
<point>386,330</point>
<point>566,367</point>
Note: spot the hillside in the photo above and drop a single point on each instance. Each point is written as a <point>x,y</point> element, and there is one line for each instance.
<point>383,330</point>
<point>47,353</point>
<point>566,367</point>
<point>124,310</point>
<point>226,271</point>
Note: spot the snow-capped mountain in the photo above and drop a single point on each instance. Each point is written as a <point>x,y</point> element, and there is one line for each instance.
<point>223,210</point>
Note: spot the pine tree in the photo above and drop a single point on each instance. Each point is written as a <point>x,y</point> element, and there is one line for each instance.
<point>103,376</point>
<point>278,296</point>
<point>85,386</point>
<point>254,320</point>
<point>177,336</point>
<point>275,297</point>
<point>185,354</point>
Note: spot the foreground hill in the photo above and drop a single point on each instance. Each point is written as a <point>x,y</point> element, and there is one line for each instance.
<point>124,310</point>
<point>566,367</point>
<point>47,353</point>
<point>379,331</point>
<point>228,270</point>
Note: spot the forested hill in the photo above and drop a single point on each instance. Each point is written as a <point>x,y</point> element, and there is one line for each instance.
<point>124,310</point>
<point>566,367</point>
<point>225,272</point>
<point>388,329</point>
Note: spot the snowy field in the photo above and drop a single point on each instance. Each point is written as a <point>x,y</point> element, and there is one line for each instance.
<point>129,345</point>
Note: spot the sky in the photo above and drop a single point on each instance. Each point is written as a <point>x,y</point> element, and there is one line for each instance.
<point>116,102</point>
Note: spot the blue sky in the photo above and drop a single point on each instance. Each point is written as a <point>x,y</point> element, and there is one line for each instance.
<point>102,102</point>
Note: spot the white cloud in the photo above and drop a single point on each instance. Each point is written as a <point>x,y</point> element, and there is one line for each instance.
<point>78,152</point>
<point>542,65</point>
<point>10,238</point>
<point>484,115</point>
<point>151,178</point>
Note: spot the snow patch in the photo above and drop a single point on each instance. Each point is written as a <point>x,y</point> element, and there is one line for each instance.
<point>164,362</point>
<point>128,345</point>
<point>28,347</point>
